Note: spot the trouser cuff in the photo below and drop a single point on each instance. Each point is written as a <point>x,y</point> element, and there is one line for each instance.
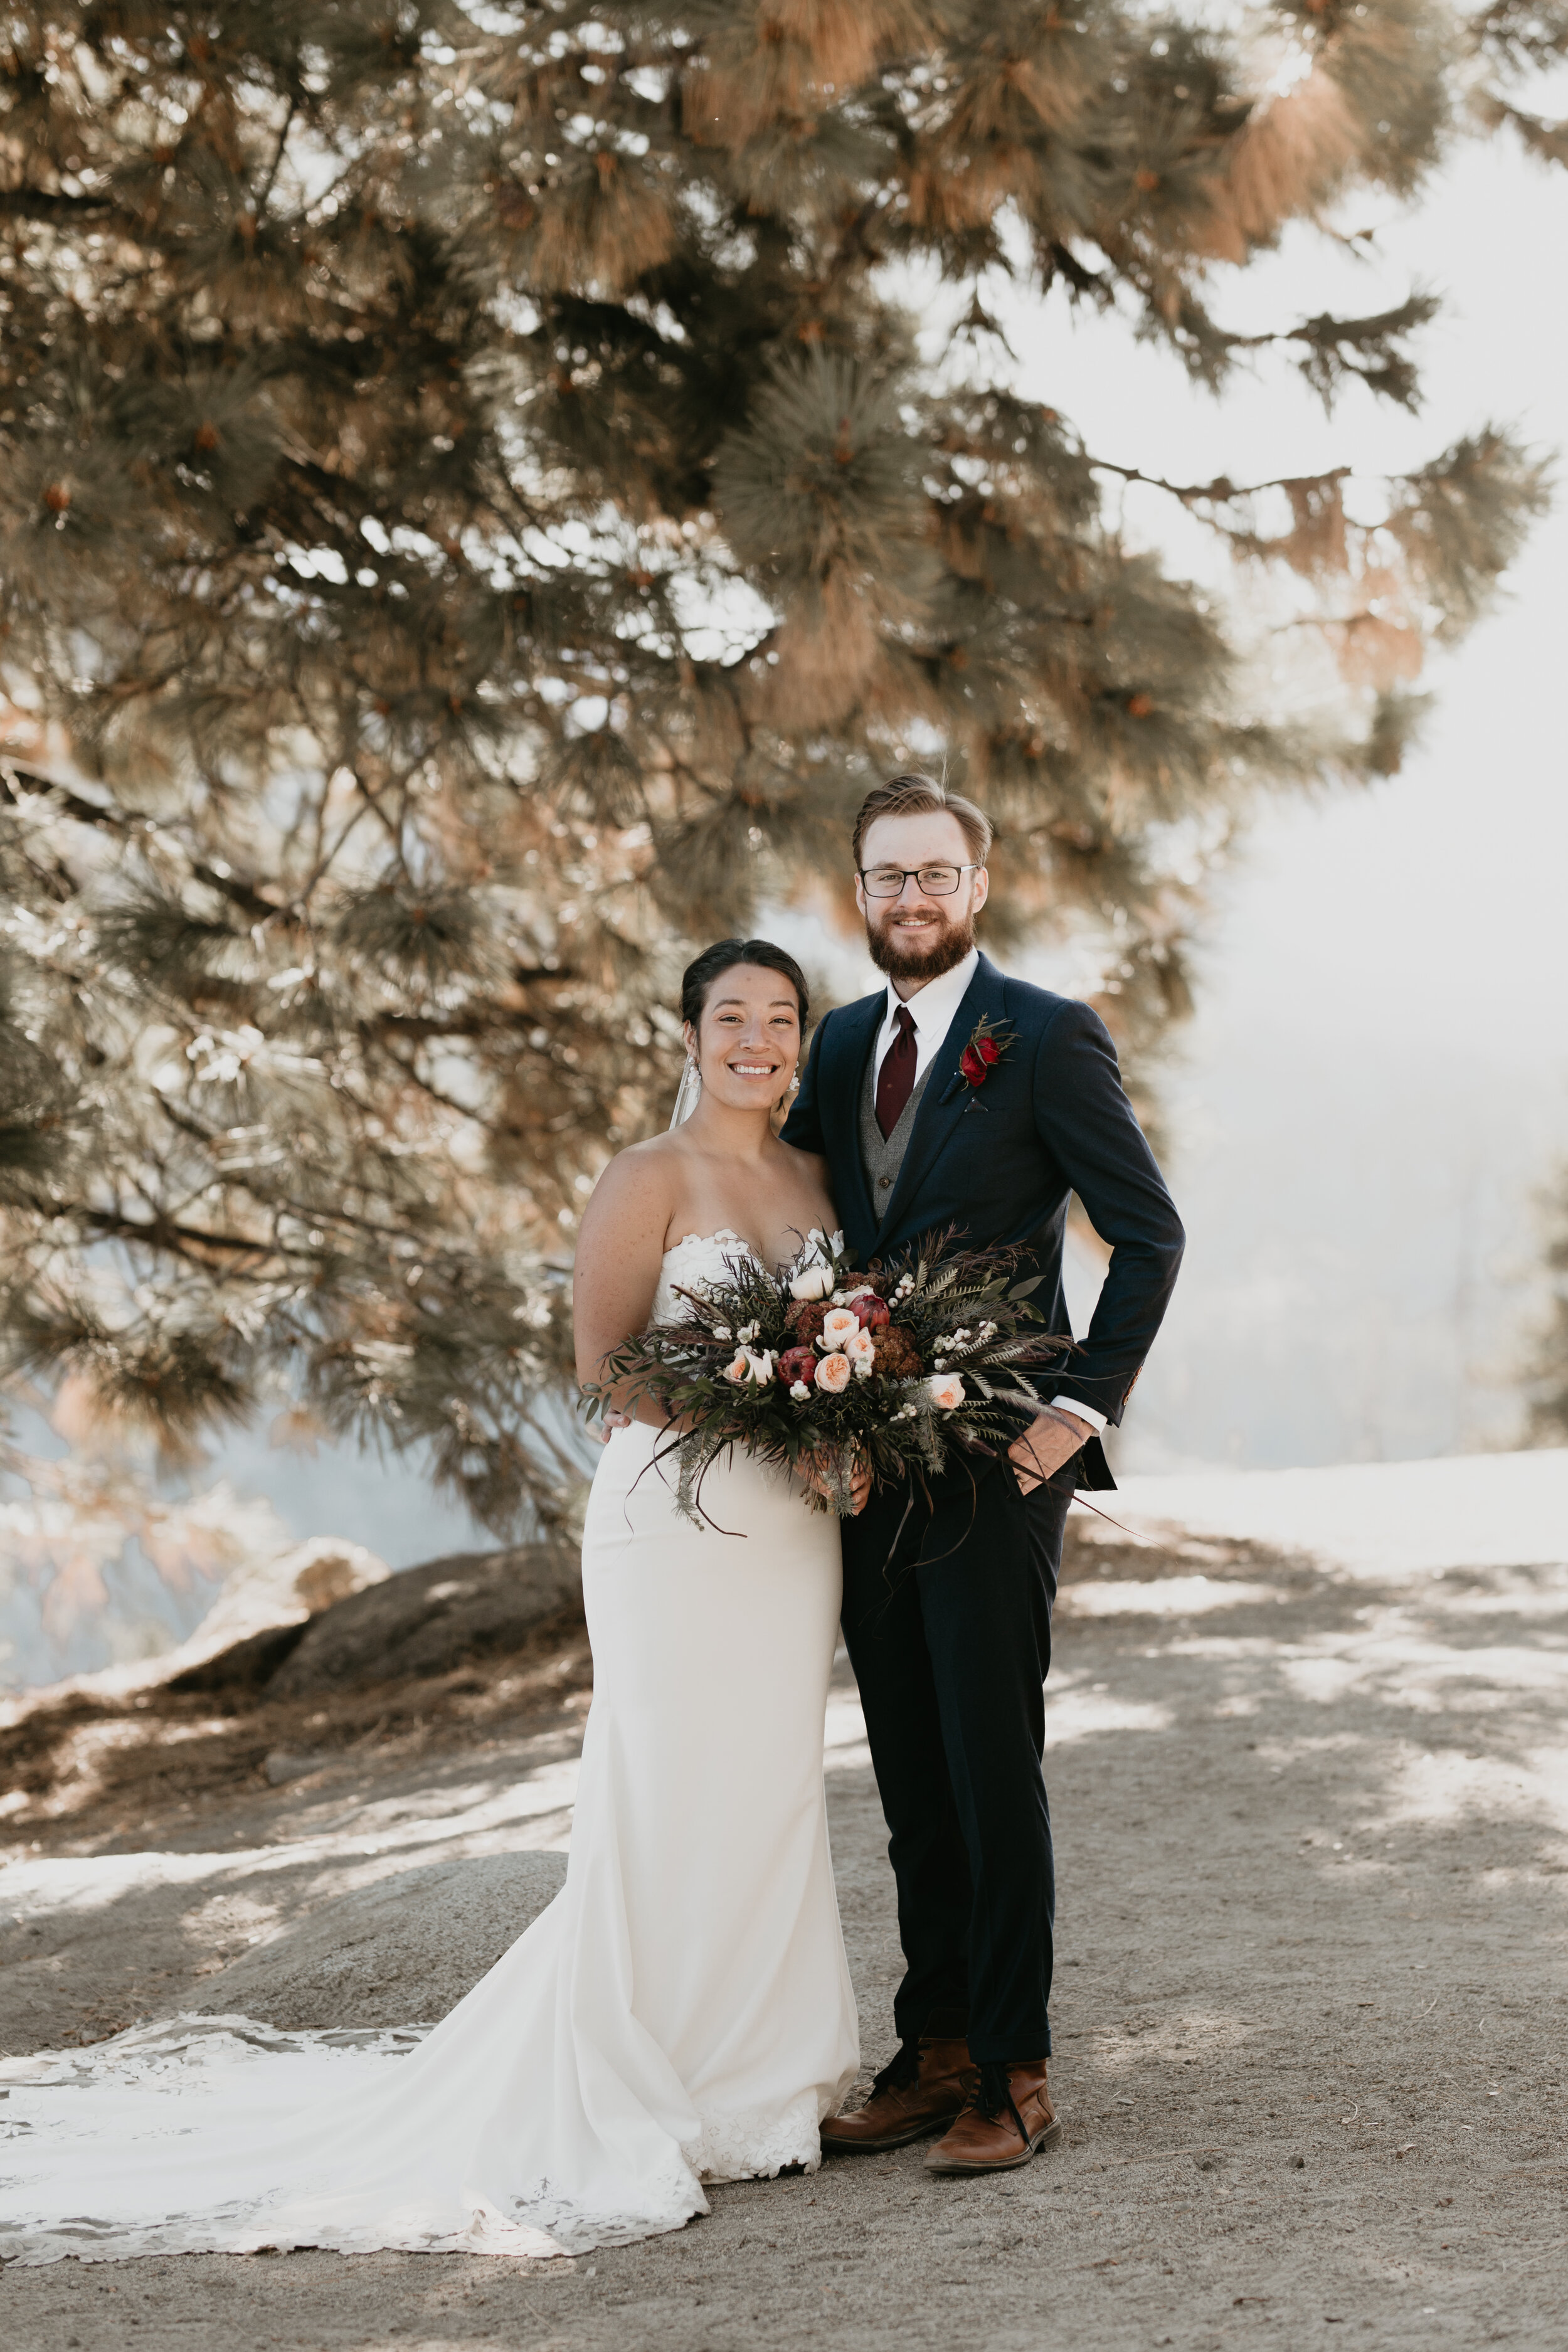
<point>1014,2050</point>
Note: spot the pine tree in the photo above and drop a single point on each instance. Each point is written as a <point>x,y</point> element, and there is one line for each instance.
<point>473,517</point>
<point>1546,1386</point>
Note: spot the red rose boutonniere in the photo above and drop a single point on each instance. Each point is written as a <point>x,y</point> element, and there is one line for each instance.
<point>985,1048</point>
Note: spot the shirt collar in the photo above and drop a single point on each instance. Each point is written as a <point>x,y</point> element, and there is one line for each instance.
<point>931,1008</point>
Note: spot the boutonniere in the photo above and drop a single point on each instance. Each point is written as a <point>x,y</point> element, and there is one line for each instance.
<point>986,1046</point>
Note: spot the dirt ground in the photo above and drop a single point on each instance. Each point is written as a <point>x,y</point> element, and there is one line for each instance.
<point>1312,1833</point>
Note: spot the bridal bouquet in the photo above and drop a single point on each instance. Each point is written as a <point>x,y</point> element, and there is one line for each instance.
<point>821,1366</point>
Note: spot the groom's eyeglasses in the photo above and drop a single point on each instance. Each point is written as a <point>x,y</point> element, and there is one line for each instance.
<point>936,881</point>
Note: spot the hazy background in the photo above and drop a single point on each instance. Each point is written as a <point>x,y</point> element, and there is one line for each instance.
<point>1376,1080</point>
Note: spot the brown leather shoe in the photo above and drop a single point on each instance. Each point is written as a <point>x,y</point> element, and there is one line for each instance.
<point>921,2091</point>
<point>1008,2117</point>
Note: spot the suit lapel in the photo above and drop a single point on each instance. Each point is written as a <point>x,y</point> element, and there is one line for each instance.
<point>947,1096</point>
<point>845,1050</point>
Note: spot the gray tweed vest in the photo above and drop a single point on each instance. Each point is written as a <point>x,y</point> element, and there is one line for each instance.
<point>883,1156</point>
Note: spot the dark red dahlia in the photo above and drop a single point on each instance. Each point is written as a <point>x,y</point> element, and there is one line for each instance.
<point>898,1355</point>
<point>807,1317</point>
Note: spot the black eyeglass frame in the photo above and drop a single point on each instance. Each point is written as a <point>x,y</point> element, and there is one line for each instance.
<point>912,874</point>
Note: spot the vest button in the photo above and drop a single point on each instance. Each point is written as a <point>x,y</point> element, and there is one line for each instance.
<point>884,1181</point>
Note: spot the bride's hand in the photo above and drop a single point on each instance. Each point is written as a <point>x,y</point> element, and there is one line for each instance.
<point>859,1483</point>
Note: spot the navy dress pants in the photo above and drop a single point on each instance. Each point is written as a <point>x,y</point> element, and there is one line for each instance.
<point>947,1619</point>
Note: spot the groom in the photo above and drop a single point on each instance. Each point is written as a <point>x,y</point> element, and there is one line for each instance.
<point>947,1602</point>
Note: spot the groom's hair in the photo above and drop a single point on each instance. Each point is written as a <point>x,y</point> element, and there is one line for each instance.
<point>916,796</point>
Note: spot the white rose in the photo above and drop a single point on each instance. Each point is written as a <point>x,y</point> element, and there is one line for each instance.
<point>811,1281</point>
<point>760,1360</point>
<point>945,1390</point>
<point>740,1369</point>
<point>839,1328</point>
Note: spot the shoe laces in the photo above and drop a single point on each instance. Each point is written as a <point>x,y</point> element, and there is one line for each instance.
<point>902,2071</point>
<point>994,2092</point>
<point>993,2096</point>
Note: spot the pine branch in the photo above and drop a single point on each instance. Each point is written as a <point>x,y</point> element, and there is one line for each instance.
<point>1543,138</point>
<point>477,437</point>
<point>18,782</point>
<point>1221,491</point>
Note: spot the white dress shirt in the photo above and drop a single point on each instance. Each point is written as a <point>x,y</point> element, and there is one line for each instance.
<point>934,1010</point>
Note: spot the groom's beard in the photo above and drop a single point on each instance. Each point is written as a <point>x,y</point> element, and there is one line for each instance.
<point>897,953</point>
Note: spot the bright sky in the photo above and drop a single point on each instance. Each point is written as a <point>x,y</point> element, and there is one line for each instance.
<point>1377,1077</point>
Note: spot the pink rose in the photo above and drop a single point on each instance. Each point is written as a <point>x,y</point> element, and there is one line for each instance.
<point>945,1390</point>
<point>740,1369</point>
<point>833,1374</point>
<point>839,1328</point>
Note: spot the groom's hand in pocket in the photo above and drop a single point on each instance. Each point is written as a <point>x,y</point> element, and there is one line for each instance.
<point>1052,1438</point>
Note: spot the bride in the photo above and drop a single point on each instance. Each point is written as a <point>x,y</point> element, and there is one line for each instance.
<point>682,2011</point>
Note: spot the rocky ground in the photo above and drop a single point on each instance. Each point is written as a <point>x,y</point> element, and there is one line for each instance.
<point>1312,1825</point>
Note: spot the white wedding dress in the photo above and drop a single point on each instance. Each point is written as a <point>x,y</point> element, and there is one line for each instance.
<point>681,2012</point>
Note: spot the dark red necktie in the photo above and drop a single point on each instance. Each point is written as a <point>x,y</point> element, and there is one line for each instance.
<point>896,1078</point>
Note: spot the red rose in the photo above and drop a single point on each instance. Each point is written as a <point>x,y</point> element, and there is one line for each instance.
<point>872,1311</point>
<point>972,1065</point>
<point>796,1364</point>
<point>989,1050</point>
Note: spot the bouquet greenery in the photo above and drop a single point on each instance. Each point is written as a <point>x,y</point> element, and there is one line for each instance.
<point>821,1366</point>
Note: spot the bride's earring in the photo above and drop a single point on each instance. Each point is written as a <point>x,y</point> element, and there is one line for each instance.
<point>688,1093</point>
<point>793,1089</point>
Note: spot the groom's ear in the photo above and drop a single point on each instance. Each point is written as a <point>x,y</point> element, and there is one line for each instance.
<point>982,890</point>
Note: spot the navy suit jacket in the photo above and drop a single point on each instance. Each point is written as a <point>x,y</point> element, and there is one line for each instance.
<point>1001,1161</point>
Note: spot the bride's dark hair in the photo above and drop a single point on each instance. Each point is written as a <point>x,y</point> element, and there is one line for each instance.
<point>724,956</point>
